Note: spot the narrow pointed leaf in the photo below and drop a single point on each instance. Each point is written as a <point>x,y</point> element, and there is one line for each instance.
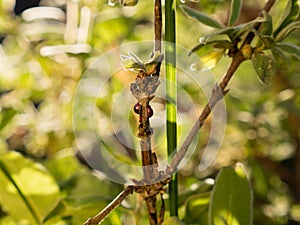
<point>266,28</point>
<point>290,14</point>
<point>245,27</point>
<point>280,56</point>
<point>236,6</point>
<point>231,199</point>
<point>223,44</point>
<point>287,30</point>
<point>290,49</point>
<point>201,17</point>
<point>264,67</point>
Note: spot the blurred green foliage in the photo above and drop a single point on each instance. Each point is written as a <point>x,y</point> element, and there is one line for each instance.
<point>41,179</point>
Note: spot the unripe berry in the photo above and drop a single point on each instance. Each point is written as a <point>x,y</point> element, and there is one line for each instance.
<point>137,108</point>
<point>149,111</point>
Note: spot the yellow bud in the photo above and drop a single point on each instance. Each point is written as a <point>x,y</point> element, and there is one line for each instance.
<point>247,51</point>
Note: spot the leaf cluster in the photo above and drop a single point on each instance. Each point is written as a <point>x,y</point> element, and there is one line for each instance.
<point>268,39</point>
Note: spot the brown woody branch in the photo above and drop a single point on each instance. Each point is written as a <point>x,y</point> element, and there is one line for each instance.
<point>117,201</point>
<point>157,25</point>
<point>217,95</point>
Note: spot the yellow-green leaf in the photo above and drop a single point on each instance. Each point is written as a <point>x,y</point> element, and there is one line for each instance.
<point>29,191</point>
<point>207,61</point>
<point>174,220</point>
<point>290,14</point>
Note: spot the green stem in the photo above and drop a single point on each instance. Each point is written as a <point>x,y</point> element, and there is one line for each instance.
<point>171,90</point>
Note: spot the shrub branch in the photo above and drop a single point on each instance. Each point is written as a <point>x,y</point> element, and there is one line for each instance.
<point>147,190</point>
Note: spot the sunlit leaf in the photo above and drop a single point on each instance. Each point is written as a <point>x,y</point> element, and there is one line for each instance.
<point>7,115</point>
<point>290,49</point>
<point>77,209</point>
<point>28,186</point>
<point>231,199</point>
<point>290,14</point>
<point>223,44</point>
<point>196,209</point>
<point>207,61</point>
<point>201,17</point>
<point>152,63</point>
<point>174,220</point>
<point>264,67</point>
<point>286,31</point>
<point>236,6</point>
<point>132,63</point>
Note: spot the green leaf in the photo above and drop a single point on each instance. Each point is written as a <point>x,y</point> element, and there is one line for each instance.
<point>132,62</point>
<point>290,49</point>
<point>287,30</point>
<point>233,32</point>
<point>231,199</point>
<point>28,186</point>
<point>207,61</point>
<point>280,56</point>
<point>266,27</point>
<point>174,220</point>
<point>236,6</point>
<point>223,44</point>
<point>8,114</point>
<point>245,27</point>
<point>77,209</point>
<point>264,67</point>
<point>196,209</point>
<point>290,14</point>
<point>201,17</point>
<point>219,43</point>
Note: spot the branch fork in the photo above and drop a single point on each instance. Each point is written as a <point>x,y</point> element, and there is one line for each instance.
<point>143,88</point>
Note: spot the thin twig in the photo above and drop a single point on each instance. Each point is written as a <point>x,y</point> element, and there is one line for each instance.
<point>157,25</point>
<point>162,210</point>
<point>266,8</point>
<point>112,205</point>
<point>236,61</point>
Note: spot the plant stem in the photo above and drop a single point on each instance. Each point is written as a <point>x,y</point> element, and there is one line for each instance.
<point>171,91</point>
<point>236,61</point>
<point>117,201</point>
<point>157,25</point>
